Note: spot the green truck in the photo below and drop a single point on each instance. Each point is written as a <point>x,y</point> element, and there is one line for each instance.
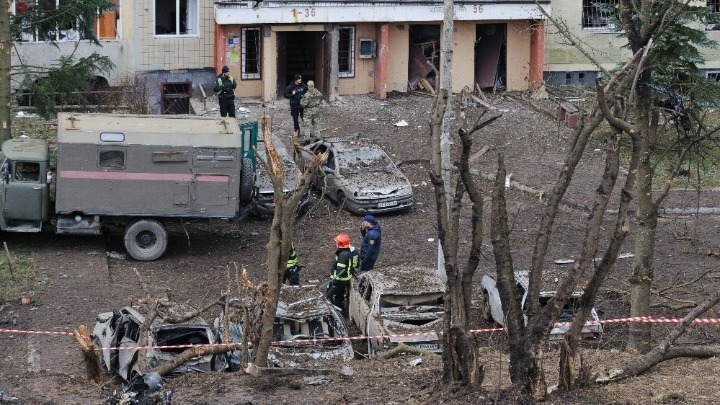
<point>138,172</point>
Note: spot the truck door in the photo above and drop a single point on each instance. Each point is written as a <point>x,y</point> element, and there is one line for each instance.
<point>26,192</point>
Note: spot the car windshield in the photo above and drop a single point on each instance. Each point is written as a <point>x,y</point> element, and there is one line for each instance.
<point>365,159</point>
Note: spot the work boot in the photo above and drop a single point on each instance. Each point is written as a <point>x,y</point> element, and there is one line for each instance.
<point>296,134</point>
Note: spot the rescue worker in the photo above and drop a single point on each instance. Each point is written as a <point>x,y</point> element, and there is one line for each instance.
<point>372,238</point>
<point>294,92</point>
<point>310,103</point>
<point>342,270</point>
<point>292,269</point>
<point>224,88</point>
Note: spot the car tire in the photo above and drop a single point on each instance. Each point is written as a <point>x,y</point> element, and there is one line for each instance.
<point>145,239</point>
<point>247,180</point>
<point>486,310</point>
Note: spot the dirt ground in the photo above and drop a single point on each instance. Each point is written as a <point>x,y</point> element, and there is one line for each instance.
<point>80,280</point>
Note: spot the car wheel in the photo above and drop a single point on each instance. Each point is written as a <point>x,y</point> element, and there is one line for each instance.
<point>145,239</point>
<point>486,310</point>
<point>247,180</point>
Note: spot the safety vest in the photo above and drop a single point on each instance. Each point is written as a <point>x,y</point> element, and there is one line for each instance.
<point>345,271</point>
<point>292,260</point>
<point>220,83</point>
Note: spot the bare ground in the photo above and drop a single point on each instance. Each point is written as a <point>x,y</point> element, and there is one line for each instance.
<point>79,281</point>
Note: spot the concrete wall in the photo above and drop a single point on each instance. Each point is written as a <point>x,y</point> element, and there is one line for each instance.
<point>605,47</point>
<point>463,69</point>
<point>518,55</point>
<point>363,81</point>
<point>173,53</point>
<point>398,57</point>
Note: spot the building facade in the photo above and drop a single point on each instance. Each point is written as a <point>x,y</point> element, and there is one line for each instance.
<point>350,47</point>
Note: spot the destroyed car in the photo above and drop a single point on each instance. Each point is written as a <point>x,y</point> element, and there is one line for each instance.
<point>119,333</point>
<point>264,192</point>
<point>492,307</point>
<point>308,331</point>
<point>359,176</point>
<point>390,301</point>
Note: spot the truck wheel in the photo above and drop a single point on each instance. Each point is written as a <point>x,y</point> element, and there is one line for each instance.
<point>145,239</point>
<point>247,180</point>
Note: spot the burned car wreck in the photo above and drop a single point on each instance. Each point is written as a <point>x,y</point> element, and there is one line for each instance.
<point>492,306</point>
<point>359,176</point>
<point>264,193</point>
<point>120,330</point>
<point>305,314</point>
<point>388,302</point>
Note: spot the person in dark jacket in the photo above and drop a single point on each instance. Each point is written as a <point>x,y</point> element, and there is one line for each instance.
<point>294,92</point>
<point>342,270</point>
<point>372,238</point>
<point>292,269</point>
<point>224,88</point>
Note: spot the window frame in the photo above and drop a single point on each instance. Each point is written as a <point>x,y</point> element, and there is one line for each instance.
<point>352,53</point>
<point>244,75</point>
<point>111,149</point>
<point>588,9</point>
<point>196,23</point>
<point>35,37</point>
<point>713,7</point>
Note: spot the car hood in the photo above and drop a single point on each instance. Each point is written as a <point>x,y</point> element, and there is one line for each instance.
<point>375,185</point>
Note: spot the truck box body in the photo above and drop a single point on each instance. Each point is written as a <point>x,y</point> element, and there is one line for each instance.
<point>155,166</point>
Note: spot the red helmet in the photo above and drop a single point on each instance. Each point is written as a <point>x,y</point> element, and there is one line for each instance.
<point>342,241</point>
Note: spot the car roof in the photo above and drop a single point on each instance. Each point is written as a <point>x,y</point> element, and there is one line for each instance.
<point>405,279</point>
<point>351,143</point>
<point>299,302</point>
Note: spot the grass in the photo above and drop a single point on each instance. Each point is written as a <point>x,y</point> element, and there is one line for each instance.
<point>25,277</point>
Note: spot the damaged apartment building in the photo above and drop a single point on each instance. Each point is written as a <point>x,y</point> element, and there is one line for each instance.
<point>349,47</point>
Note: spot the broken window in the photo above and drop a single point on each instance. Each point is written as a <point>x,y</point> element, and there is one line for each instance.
<point>346,52</point>
<point>27,171</point>
<point>713,23</point>
<point>176,98</point>
<point>598,14</point>
<point>111,158</point>
<point>64,27</point>
<point>713,75</point>
<point>250,53</point>
<point>176,17</point>
<point>418,303</point>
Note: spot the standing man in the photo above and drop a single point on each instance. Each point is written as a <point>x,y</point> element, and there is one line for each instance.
<point>372,238</point>
<point>292,269</point>
<point>294,92</point>
<point>224,88</point>
<point>341,271</point>
<point>310,104</point>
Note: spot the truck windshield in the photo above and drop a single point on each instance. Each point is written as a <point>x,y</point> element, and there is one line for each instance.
<point>27,171</point>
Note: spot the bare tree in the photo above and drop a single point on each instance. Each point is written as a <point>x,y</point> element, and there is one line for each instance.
<point>5,64</point>
<point>281,233</point>
<point>460,355</point>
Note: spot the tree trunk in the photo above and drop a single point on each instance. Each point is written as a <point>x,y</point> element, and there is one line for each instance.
<point>647,214</point>
<point>5,66</point>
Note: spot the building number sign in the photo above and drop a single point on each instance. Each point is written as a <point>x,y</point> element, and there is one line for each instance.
<point>304,12</point>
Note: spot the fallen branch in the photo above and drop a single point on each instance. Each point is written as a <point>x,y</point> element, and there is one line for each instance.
<point>165,368</point>
<point>9,261</point>
<point>256,371</point>
<point>664,351</point>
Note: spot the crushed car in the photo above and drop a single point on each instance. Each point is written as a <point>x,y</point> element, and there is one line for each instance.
<point>308,331</point>
<point>120,330</point>
<point>264,192</point>
<point>359,176</point>
<point>387,302</point>
<point>492,307</point>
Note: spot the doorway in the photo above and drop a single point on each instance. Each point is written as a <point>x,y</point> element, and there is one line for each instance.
<point>302,52</point>
<point>490,56</point>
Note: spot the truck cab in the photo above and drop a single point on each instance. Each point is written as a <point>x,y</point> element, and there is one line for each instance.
<point>24,189</point>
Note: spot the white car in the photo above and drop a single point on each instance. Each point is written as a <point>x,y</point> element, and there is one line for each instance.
<point>492,307</point>
<point>390,303</point>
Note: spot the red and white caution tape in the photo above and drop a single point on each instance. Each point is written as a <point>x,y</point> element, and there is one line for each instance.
<point>640,319</point>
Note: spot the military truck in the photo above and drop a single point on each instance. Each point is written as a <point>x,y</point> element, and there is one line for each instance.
<point>138,172</point>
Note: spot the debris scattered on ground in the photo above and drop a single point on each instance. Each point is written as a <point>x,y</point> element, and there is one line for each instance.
<point>415,362</point>
<point>116,255</point>
<point>401,123</point>
<point>317,380</point>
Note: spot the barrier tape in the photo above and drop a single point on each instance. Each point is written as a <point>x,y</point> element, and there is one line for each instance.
<point>640,319</point>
